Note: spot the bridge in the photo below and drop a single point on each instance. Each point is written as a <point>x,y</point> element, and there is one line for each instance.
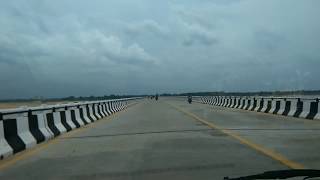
<point>140,138</point>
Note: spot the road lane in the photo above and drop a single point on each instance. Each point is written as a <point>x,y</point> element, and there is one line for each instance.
<point>149,141</point>
<point>297,139</point>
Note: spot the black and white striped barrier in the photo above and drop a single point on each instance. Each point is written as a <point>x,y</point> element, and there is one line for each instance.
<point>295,107</point>
<point>23,128</point>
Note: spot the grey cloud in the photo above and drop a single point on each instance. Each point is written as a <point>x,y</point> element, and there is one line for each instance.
<point>78,47</point>
<point>198,34</point>
<point>197,29</point>
<point>113,48</point>
<point>146,26</point>
<point>268,41</point>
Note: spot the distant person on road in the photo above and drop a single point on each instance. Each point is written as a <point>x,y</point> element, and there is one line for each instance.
<point>157,97</point>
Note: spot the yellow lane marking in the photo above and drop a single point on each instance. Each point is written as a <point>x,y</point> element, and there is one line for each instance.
<point>268,152</point>
<point>29,152</point>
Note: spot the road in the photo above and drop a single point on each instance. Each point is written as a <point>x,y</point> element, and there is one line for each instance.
<point>170,139</point>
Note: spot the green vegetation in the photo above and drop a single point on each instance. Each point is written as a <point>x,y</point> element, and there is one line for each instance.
<point>70,98</point>
<point>220,93</point>
<point>260,93</point>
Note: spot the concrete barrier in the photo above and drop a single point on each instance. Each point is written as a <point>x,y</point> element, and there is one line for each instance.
<point>49,123</point>
<point>225,101</point>
<point>113,106</point>
<point>84,114</point>
<point>268,104</point>
<point>265,105</point>
<point>310,109</point>
<point>96,111</point>
<point>282,106</point>
<point>236,102</point>
<point>221,101</point>
<point>102,110</point>
<point>120,105</point>
<point>305,109</point>
<point>248,103</point>
<point>212,100</point>
<point>124,104</point>
<point>259,104</point>
<point>92,112</point>
<point>203,100</point>
<point>69,119</point>
<point>292,106</point>
<point>253,104</point>
<point>273,106</point>
<point>75,116</point>
<point>116,106</point>
<point>232,102</point>
<point>38,125</point>
<point>277,105</point>
<point>21,129</point>
<point>229,102</point>
<point>63,118</point>
<point>99,109</point>
<point>108,108</point>
<point>5,148</point>
<point>16,131</point>
<point>242,103</point>
<point>295,107</point>
<point>317,108</point>
<point>57,121</point>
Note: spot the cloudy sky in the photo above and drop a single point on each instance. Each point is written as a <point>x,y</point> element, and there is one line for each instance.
<point>100,47</point>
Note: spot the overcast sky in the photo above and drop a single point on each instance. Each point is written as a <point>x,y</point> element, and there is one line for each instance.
<point>101,47</point>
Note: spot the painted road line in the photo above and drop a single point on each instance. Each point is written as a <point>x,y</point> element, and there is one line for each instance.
<point>30,152</point>
<point>259,148</point>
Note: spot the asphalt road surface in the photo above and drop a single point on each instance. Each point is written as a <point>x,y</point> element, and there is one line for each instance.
<point>170,139</point>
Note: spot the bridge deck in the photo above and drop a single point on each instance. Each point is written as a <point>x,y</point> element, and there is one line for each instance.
<point>170,139</point>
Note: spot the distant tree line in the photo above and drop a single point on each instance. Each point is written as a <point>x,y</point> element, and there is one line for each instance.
<point>260,93</point>
<point>70,98</point>
<point>92,98</point>
<point>220,93</point>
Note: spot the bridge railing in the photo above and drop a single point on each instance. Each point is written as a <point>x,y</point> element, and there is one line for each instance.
<point>24,128</point>
<point>300,107</point>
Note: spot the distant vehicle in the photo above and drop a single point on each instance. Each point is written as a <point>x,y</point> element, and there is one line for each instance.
<point>189,99</point>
